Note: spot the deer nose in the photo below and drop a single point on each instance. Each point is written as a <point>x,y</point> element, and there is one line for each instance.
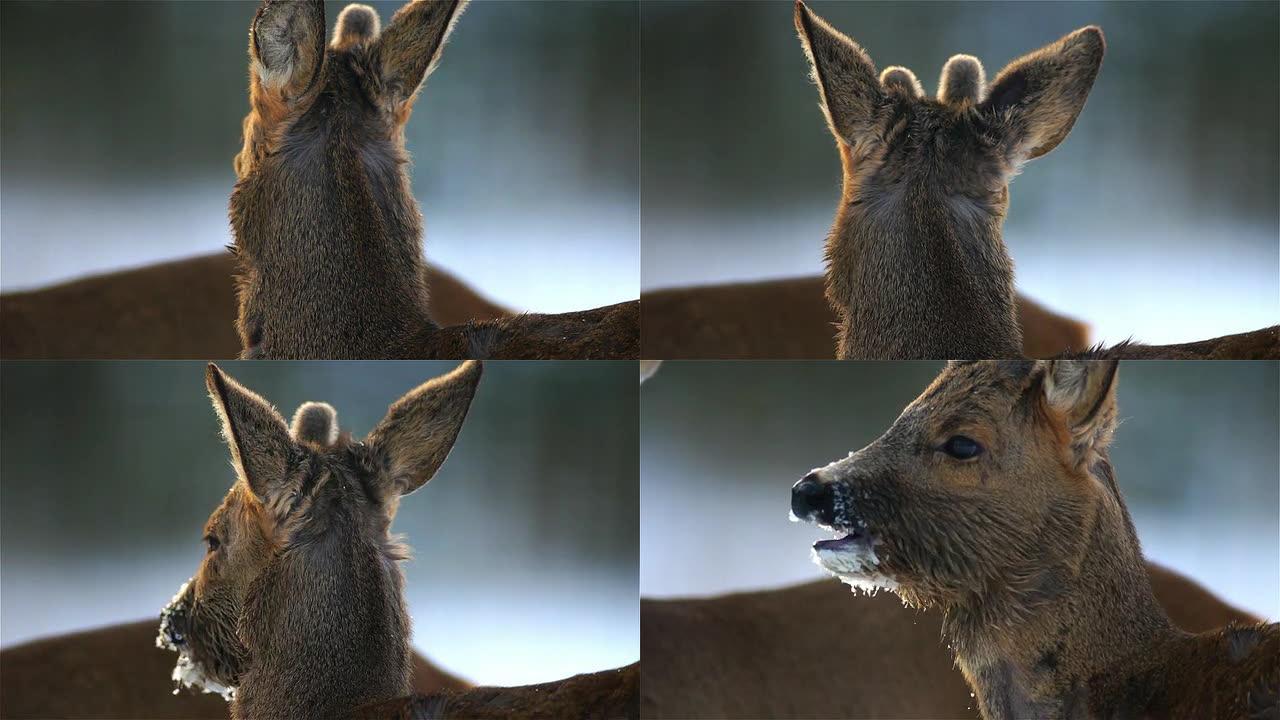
<point>811,499</point>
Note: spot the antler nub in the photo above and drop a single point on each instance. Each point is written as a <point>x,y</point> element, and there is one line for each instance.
<point>899,77</point>
<point>963,80</point>
<point>358,24</point>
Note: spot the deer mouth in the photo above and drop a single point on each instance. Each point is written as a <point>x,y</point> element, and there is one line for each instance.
<point>188,672</point>
<point>851,557</point>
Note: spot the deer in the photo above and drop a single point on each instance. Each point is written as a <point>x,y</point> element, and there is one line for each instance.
<point>993,500</point>
<point>179,310</point>
<point>605,695</point>
<point>297,608</point>
<point>118,672</point>
<point>916,261</point>
<point>326,231</point>
<point>754,654</point>
<point>790,319</point>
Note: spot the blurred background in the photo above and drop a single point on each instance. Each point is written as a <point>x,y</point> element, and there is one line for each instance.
<point>121,120</point>
<point>1195,456</point>
<point>525,544</point>
<point>1157,218</point>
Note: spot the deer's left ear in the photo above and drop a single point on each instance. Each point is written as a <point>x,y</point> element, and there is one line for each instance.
<point>847,82</point>
<point>255,432</point>
<point>286,44</point>
<point>410,46</point>
<point>415,437</point>
<point>1082,393</point>
<point>1036,99</point>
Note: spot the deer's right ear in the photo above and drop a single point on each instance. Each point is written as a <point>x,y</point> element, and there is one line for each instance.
<point>255,432</point>
<point>847,82</point>
<point>1036,99</point>
<point>1083,394</point>
<point>409,49</point>
<point>415,437</point>
<point>286,46</point>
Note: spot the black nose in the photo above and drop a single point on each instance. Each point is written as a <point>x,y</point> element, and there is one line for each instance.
<point>811,499</point>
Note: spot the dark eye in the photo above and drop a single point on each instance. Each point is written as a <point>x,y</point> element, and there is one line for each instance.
<point>212,542</point>
<point>962,448</point>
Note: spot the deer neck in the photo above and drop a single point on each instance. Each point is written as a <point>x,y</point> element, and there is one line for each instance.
<point>1075,640</point>
<point>326,632</point>
<point>341,254</point>
<point>913,274</point>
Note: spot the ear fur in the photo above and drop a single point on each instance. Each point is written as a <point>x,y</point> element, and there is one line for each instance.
<point>286,46</point>
<point>254,431</point>
<point>846,78</point>
<point>410,46</point>
<point>1082,393</point>
<point>1036,99</point>
<point>420,428</point>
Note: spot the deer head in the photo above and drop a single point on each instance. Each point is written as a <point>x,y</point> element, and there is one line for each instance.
<point>984,497</point>
<point>916,265</point>
<point>297,603</point>
<point>326,228</point>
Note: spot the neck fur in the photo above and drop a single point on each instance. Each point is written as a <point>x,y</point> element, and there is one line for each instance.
<point>915,275</point>
<point>1048,652</point>
<point>326,632</point>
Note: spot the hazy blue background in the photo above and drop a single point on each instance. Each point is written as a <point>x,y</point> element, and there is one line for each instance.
<point>1157,217</point>
<point>121,119</point>
<point>1195,455</point>
<point>525,543</point>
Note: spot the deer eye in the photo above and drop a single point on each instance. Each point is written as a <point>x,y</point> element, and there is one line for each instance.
<point>212,542</point>
<point>962,448</point>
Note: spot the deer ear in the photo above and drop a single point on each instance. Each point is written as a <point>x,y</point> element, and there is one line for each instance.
<point>286,45</point>
<point>1035,100</point>
<point>1083,394</point>
<point>255,432</point>
<point>410,47</point>
<point>846,78</point>
<point>418,432</point>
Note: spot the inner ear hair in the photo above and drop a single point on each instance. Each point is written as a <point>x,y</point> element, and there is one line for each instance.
<point>1082,392</point>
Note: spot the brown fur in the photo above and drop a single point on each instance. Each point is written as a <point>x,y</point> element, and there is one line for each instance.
<point>183,309</point>
<point>1029,553</point>
<point>326,228</point>
<point>603,695</point>
<point>299,601</point>
<point>118,672</point>
<point>916,265</point>
<point>757,654</point>
<point>1261,344</point>
<point>791,319</point>
<point>916,261</point>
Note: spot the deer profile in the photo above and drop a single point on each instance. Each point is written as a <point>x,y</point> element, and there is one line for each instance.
<point>327,231</point>
<point>916,261</point>
<point>993,500</point>
<point>297,608</point>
